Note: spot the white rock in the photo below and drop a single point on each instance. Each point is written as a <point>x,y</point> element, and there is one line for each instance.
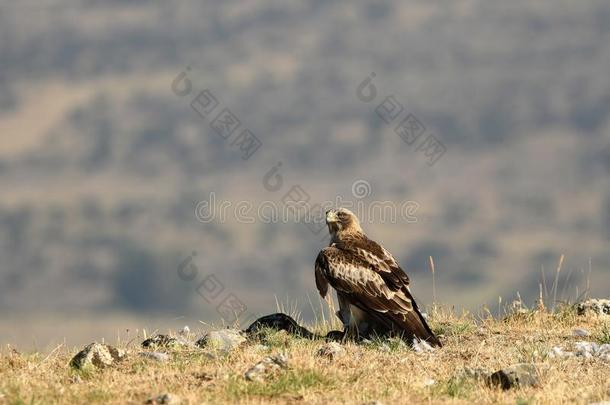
<point>331,350</point>
<point>224,339</point>
<point>556,352</point>
<point>587,350</point>
<point>266,366</point>
<point>185,330</point>
<point>421,346</point>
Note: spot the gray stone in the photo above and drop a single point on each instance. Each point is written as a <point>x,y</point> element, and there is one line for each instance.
<point>580,332</point>
<point>518,375</point>
<point>597,306</point>
<point>583,349</point>
<point>331,350</point>
<point>98,355</point>
<point>592,349</point>
<point>265,367</point>
<point>224,339</point>
<point>157,356</point>
<point>167,341</point>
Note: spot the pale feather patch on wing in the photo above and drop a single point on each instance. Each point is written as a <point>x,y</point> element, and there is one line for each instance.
<point>374,260</point>
<point>348,277</point>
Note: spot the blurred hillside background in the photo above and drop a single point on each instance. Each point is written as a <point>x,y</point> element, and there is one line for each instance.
<point>102,165</point>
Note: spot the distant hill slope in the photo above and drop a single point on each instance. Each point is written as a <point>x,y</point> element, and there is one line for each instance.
<point>102,165</point>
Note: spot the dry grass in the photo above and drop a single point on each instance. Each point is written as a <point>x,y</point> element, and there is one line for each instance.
<point>390,373</point>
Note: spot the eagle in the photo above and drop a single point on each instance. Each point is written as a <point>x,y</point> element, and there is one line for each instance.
<point>372,289</point>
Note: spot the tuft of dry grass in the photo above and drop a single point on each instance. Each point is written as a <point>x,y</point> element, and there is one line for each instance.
<point>388,371</point>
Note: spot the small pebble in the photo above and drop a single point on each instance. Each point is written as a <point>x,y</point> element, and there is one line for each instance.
<point>421,346</point>
<point>165,399</point>
<point>157,356</point>
<point>331,350</point>
<point>584,349</point>
<point>266,366</point>
<point>580,332</point>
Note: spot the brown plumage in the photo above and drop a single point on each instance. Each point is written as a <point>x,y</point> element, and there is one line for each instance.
<point>372,289</point>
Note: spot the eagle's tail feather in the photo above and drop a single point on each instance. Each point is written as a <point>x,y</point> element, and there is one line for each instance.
<point>413,322</point>
<point>416,323</point>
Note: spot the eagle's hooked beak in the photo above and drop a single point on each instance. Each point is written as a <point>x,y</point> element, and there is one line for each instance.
<point>331,216</point>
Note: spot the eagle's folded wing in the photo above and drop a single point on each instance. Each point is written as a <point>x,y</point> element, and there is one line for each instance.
<point>321,281</point>
<point>375,285</point>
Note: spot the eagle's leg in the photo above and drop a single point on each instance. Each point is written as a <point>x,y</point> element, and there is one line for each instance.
<point>343,318</point>
<point>360,325</point>
<point>345,315</point>
<point>356,323</point>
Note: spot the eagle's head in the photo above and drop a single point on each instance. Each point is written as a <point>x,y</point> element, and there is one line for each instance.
<point>342,221</point>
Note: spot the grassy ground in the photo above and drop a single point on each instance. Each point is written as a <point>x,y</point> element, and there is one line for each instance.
<point>389,373</point>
